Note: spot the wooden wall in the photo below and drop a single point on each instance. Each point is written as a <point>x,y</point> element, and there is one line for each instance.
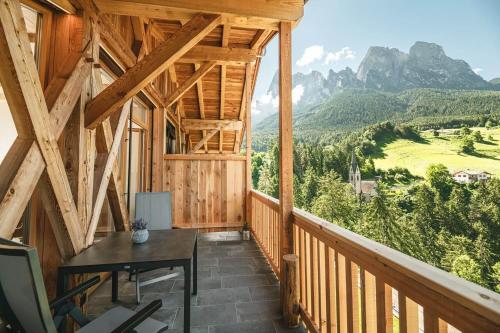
<point>207,193</point>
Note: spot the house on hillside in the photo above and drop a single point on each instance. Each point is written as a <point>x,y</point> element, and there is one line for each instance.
<point>365,188</point>
<point>470,176</point>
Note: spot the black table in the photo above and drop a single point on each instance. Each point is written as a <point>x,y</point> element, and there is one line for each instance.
<point>165,248</point>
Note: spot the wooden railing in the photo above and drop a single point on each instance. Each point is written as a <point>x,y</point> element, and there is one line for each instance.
<point>349,283</point>
<point>265,227</point>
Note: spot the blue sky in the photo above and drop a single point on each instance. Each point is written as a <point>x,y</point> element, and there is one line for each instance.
<point>341,31</point>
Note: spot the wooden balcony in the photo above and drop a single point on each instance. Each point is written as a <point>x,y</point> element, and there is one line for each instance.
<point>349,283</point>
<point>128,96</point>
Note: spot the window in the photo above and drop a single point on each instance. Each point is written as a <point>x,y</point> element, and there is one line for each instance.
<point>170,138</point>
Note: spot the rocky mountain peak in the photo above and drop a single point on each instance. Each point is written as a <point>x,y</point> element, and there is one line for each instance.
<point>426,50</point>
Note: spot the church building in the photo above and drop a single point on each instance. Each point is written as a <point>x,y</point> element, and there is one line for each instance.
<point>365,188</point>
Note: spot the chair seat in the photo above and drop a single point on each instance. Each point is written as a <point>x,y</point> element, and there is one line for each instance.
<point>113,318</point>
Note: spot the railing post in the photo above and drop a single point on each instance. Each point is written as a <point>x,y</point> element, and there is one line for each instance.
<point>291,294</point>
<point>285,146</point>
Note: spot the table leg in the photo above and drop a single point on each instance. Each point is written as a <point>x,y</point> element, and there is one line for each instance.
<point>187,297</point>
<point>195,268</point>
<point>114,286</point>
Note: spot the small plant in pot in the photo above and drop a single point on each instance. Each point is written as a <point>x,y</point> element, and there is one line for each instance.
<point>246,231</point>
<point>139,232</point>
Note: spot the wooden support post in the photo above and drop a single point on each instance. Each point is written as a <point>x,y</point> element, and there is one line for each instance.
<point>291,287</point>
<point>285,143</point>
<point>25,96</point>
<point>248,169</point>
<point>107,173</point>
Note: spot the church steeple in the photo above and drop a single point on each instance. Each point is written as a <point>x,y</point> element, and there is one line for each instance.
<point>355,174</point>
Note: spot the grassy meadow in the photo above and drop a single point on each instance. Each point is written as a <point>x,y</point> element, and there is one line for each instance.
<point>445,149</point>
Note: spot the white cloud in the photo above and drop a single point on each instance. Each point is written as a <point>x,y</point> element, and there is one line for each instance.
<point>477,70</point>
<point>265,99</point>
<point>297,93</point>
<point>344,53</point>
<point>311,54</point>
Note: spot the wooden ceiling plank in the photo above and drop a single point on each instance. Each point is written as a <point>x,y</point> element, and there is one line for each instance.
<point>137,77</point>
<point>210,124</point>
<point>227,55</point>
<point>189,83</point>
<point>283,10</point>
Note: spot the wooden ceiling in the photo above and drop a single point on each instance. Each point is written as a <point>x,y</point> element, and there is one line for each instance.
<point>227,59</point>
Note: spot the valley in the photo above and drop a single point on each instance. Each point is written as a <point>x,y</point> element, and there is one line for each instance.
<point>417,156</point>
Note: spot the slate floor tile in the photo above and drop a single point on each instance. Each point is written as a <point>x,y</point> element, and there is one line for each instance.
<point>208,315</point>
<point>260,327</point>
<point>258,311</point>
<point>246,281</point>
<point>203,284</point>
<point>265,293</point>
<point>223,296</point>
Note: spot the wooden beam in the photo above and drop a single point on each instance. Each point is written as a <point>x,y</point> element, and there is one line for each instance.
<point>205,157</point>
<point>19,177</point>
<point>64,5</point>
<point>259,39</point>
<point>139,34</point>
<point>19,69</point>
<point>248,166</point>
<point>285,142</point>
<point>226,32</point>
<point>137,77</point>
<point>189,83</point>
<point>107,174</point>
<point>61,101</point>
<point>201,105</point>
<point>286,10</point>
<point>203,141</point>
<point>210,124</point>
<point>223,55</point>
<point>243,107</point>
<point>115,42</point>
<point>20,170</point>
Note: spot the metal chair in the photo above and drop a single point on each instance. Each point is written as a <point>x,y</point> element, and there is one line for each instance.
<point>155,208</point>
<point>25,308</point>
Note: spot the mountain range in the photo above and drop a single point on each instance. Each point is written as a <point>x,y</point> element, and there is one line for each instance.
<point>383,81</point>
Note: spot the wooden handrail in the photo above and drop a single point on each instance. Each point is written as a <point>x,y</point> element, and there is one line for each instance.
<point>266,199</point>
<point>205,157</point>
<point>339,269</point>
<point>459,302</point>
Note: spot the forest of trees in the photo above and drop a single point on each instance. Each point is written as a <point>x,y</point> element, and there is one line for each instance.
<point>449,225</point>
<point>353,109</point>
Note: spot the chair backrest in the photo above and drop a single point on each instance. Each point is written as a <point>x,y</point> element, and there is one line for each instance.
<point>155,208</point>
<point>23,299</point>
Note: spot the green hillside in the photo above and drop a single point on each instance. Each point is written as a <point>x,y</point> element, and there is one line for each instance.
<point>355,108</point>
<point>417,156</point>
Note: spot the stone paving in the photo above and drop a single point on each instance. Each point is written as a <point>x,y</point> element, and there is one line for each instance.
<point>237,291</point>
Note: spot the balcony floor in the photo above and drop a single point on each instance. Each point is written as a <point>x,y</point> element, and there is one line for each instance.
<point>237,291</point>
